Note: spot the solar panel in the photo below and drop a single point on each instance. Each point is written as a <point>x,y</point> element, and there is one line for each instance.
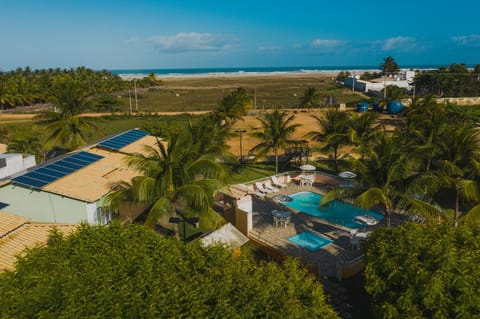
<point>124,139</point>
<point>51,172</point>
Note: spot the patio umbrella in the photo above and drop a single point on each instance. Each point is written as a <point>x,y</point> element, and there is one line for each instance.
<point>307,167</point>
<point>347,174</point>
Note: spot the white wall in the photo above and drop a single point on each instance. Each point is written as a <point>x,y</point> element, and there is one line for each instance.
<point>15,163</point>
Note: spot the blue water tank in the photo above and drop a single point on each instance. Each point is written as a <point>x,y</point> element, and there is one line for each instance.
<point>377,107</point>
<point>394,107</point>
<point>362,107</point>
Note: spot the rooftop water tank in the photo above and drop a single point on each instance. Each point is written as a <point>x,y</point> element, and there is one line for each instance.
<point>362,107</point>
<point>394,107</point>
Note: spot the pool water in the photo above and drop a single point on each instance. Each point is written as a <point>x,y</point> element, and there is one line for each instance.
<point>337,212</point>
<point>310,241</point>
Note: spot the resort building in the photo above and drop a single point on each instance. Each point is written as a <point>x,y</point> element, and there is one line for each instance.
<point>18,233</point>
<point>402,80</point>
<point>72,188</point>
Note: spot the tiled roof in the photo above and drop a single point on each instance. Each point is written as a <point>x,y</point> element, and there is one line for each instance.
<point>22,235</point>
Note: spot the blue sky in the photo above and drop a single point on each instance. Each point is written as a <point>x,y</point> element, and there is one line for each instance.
<point>184,34</point>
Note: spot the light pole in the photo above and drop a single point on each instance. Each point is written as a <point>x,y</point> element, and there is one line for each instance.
<point>240,131</point>
<point>183,219</point>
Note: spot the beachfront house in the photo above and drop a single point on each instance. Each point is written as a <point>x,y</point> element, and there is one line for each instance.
<point>72,188</point>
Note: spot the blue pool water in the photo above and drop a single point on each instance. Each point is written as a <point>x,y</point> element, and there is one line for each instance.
<point>337,212</point>
<point>310,241</point>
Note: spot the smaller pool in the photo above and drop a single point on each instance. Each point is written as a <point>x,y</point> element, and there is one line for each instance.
<point>310,241</point>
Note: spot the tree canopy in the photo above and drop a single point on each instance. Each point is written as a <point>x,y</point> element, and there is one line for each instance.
<point>389,66</point>
<point>119,271</point>
<point>414,271</point>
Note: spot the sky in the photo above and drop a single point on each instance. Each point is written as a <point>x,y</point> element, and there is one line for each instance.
<point>118,34</point>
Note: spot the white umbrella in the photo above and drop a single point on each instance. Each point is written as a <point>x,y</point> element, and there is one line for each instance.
<point>347,174</point>
<point>307,167</point>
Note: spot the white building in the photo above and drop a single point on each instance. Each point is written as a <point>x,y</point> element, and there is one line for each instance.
<point>402,80</point>
<point>13,163</point>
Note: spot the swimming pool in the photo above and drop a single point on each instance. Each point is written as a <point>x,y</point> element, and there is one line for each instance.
<point>337,212</point>
<point>310,241</point>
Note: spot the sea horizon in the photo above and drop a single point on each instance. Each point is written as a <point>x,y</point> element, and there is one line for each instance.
<point>235,71</point>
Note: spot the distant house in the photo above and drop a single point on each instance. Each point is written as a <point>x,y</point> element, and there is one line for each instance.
<point>18,233</point>
<point>402,80</point>
<point>72,188</point>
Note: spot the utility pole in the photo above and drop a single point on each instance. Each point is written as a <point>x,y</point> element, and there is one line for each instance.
<point>136,99</point>
<point>130,100</point>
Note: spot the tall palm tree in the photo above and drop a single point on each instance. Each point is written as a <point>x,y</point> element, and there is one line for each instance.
<point>363,132</point>
<point>382,179</point>
<point>310,98</point>
<point>456,168</point>
<point>65,127</point>
<point>173,178</point>
<point>277,128</point>
<point>333,132</point>
<point>233,107</point>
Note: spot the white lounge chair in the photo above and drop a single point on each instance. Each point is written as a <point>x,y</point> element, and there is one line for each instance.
<point>262,189</point>
<point>249,190</point>
<point>271,188</point>
<point>275,182</point>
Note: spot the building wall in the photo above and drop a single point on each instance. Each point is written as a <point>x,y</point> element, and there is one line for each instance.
<point>42,206</point>
<point>15,163</point>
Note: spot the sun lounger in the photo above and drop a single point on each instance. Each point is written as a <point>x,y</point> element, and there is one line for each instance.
<point>262,189</point>
<point>275,182</point>
<point>249,190</point>
<point>271,188</point>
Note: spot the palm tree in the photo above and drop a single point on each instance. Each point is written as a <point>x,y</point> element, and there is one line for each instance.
<point>27,145</point>
<point>275,135</point>
<point>382,179</point>
<point>65,127</point>
<point>173,178</point>
<point>233,107</point>
<point>389,65</point>
<point>456,168</point>
<point>310,98</point>
<point>333,132</point>
<point>363,131</point>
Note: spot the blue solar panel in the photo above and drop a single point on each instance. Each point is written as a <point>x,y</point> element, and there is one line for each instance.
<point>124,139</point>
<point>51,172</point>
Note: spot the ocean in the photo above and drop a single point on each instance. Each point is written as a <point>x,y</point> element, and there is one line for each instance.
<point>256,70</point>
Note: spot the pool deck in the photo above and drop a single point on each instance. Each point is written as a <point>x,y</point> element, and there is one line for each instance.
<point>327,258</point>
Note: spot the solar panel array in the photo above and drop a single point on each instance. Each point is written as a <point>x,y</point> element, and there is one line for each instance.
<point>124,139</point>
<point>47,174</point>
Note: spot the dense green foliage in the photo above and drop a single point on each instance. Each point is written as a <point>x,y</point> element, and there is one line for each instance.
<point>453,81</point>
<point>180,174</point>
<point>424,272</point>
<point>25,86</point>
<point>120,271</point>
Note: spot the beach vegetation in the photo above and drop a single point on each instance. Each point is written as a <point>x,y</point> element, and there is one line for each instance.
<point>129,271</point>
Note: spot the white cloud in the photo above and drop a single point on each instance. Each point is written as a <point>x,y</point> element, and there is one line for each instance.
<point>325,43</point>
<point>399,43</point>
<point>472,39</point>
<point>192,41</point>
<point>131,40</point>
